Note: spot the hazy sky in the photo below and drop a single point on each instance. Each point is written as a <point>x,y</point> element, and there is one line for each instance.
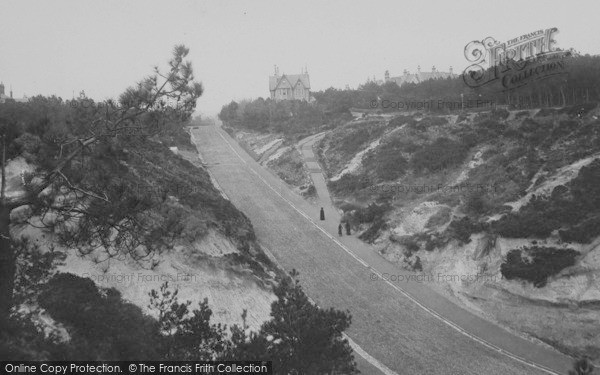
<point>57,47</point>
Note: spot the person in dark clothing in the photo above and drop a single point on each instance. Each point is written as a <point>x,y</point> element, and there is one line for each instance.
<point>348,228</point>
<point>322,214</point>
<point>340,229</point>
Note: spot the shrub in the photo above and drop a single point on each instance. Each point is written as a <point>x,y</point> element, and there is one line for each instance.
<point>371,213</point>
<point>531,130</point>
<point>388,161</point>
<point>529,126</point>
<point>536,264</point>
<point>490,128</point>
<point>564,127</point>
<point>434,242</point>
<point>353,142</point>
<point>461,117</point>
<point>521,114</point>
<point>586,186</point>
<point>102,325</point>
<point>439,155</point>
<point>26,143</point>
<point>461,229</point>
<point>348,184</point>
<point>583,232</point>
<point>531,224</point>
<point>311,191</point>
<point>441,217</point>
<point>476,203</point>
<point>499,114</point>
<point>401,120</point>
<point>373,231</point>
<point>431,122</point>
<point>417,266</point>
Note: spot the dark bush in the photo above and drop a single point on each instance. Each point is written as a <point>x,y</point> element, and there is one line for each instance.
<point>102,325</point>
<point>439,155</point>
<point>564,128</point>
<point>435,241</point>
<point>401,120</point>
<point>491,127</point>
<point>417,266</point>
<point>461,117</point>
<point>352,143</point>
<point>530,126</point>
<point>387,159</point>
<point>586,186</point>
<point>536,264</point>
<point>311,191</point>
<point>521,114</point>
<point>476,202</point>
<point>433,121</point>
<point>499,114</point>
<point>461,229</point>
<point>531,224</point>
<point>410,242</point>
<point>348,184</point>
<point>441,217</point>
<point>371,213</point>
<point>373,231</point>
<point>583,232</point>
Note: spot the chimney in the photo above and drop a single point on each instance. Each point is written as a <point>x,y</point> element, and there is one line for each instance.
<point>11,91</point>
<point>419,68</point>
<point>451,70</point>
<point>387,75</point>
<point>433,69</point>
<point>1,88</point>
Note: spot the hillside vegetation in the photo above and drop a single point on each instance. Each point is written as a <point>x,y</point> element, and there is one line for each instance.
<point>511,198</point>
<point>94,187</point>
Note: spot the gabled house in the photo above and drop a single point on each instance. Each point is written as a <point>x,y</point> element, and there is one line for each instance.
<point>289,86</point>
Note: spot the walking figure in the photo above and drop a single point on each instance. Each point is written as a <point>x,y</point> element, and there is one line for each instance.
<point>347,228</point>
<point>322,214</point>
<point>340,229</point>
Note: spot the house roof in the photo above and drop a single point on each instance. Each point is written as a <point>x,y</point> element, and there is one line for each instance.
<point>420,77</point>
<point>288,80</point>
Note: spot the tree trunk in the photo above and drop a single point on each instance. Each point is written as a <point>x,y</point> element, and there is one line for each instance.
<point>7,265</point>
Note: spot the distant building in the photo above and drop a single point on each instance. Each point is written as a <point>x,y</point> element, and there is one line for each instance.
<point>4,97</point>
<point>290,86</point>
<point>419,76</point>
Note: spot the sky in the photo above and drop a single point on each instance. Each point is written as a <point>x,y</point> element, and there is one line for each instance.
<point>62,47</point>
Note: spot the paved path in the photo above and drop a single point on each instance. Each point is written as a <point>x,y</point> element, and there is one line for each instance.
<point>405,326</point>
<point>318,177</point>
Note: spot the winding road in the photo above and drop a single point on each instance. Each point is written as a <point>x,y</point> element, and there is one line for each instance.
<point>397,328</point>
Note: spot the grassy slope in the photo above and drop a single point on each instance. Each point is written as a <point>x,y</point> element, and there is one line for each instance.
<point>474,169</point>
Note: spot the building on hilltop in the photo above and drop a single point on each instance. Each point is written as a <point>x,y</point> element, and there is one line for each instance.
<point>290,86</point>
<point>4,97</point>
<point>419,76</point>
